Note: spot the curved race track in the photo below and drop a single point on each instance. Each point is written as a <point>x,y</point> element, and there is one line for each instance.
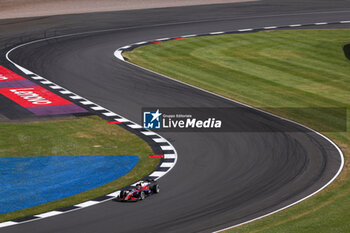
<point>220,179</point>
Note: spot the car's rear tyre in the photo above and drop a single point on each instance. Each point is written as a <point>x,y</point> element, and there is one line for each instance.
<point>122,194</point>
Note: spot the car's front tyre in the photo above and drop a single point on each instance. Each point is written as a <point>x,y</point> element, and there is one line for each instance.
<point>156,188</point>
<point>142,195</point>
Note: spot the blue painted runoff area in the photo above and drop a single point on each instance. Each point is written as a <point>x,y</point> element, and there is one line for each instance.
<point>31,181</point>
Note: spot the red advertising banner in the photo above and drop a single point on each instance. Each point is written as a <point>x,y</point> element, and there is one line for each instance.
<point>33,96</point>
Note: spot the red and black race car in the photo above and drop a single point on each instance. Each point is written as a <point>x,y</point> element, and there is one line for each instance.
<point>138,192</point>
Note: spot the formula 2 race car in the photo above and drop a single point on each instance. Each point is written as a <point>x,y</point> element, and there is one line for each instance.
<point>138,192</point>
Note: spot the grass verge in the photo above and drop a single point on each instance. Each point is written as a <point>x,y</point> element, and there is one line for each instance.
<point>83,136</point>
<point>275,70</point>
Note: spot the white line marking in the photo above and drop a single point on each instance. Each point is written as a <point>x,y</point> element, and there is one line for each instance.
<point>24,70</point>
<point>147,133</point>
<point>118,54</point>
<point>66,92</point>
<point>36,77</point>
<point>167,147</point>
<point>169,156</point>
<point>114,194</point>
<point>166,164</point>
<point>87,203</point>
<point>135,126</point>
<point>142,42</point>
<point>109,114</point>
<point>159,140</point>
<point>86,102</point>
<point>189,35</point>
<point>295,25</point>
<point>158,173</point>
<point>126,47</point>
<point>121,119</point>
<point>55,87</point>
<point>48,214</point>
<point>270,27</point>
<point>8,223</point>
<point>345,21</point>
<point>163,39</point>
<point>216,33</point>
<point>46,82</point>
<point>323,23</point>
<point>245,30</point>
<point>98,108</point>
<point>76,97</point>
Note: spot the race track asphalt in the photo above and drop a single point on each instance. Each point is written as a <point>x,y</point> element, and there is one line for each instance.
<point>220,179</point>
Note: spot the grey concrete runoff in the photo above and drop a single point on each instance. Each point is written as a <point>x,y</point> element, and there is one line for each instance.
<point>32,8</point>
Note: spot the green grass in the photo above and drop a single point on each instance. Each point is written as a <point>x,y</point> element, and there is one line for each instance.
<point>275,70</point>
<point>83,136</point>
